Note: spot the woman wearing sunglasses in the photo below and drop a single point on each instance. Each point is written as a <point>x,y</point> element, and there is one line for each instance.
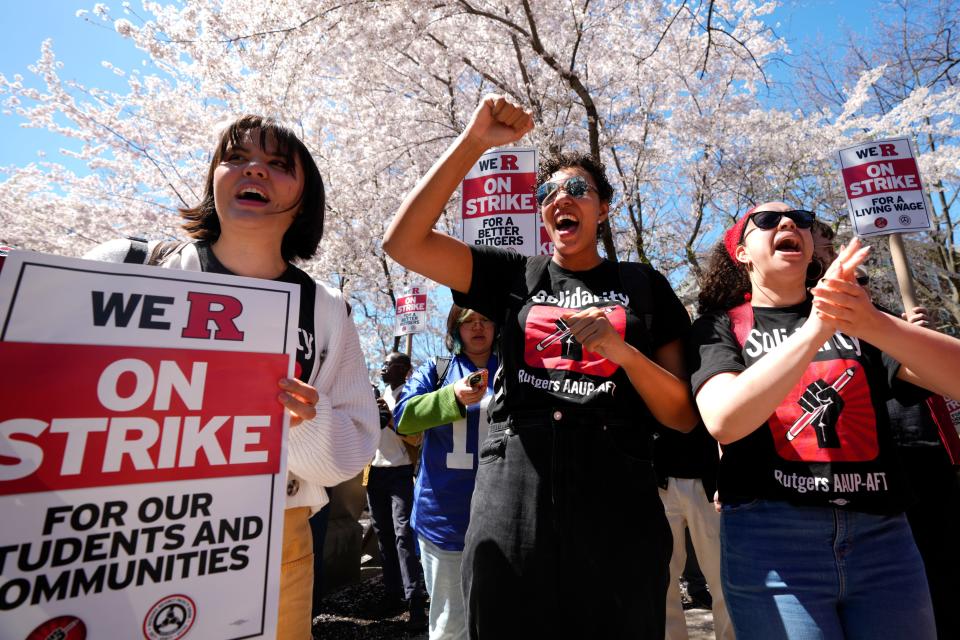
<point>591,355</point>
<point>794,387</point>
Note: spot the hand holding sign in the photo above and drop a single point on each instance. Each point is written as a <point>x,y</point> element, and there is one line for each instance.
<point>300,399</point>
<point>497,121</point>
<point>918,316</point>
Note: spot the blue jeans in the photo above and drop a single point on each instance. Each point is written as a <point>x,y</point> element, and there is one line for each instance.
<point>818,573</point>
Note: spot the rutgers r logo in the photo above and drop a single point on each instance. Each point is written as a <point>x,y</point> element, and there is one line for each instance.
<point>210,315</point>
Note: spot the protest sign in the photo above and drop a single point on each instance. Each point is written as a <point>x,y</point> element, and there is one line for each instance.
<point>498,203</point>
<point>883,188</point>
<point>953,407</point>
<point>411,313</point>
<point>141,450</point>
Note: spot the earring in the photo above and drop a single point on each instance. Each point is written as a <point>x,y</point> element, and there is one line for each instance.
<point>815,270</point>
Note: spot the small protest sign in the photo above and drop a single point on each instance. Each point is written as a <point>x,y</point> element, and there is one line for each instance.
<point>411,313</point>
<point>883,188</point>
<point>498,203</point>
<point>142,450</point>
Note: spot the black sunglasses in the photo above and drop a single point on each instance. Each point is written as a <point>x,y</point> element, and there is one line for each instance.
<point>770,219</point>
<point>575,186</point>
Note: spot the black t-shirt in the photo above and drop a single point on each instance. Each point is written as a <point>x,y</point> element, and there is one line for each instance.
<point>912,424</point>
<point>306,351</point>
<point>542,367</point>
<point>828,442</point>
<point>686,455</point>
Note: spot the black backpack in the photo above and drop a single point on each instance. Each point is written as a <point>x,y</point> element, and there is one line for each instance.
<point>139,250</point>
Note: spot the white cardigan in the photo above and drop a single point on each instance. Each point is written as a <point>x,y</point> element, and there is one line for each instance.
<point>342,438</point>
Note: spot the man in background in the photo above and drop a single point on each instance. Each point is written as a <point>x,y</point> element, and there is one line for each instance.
<point>390,498</point>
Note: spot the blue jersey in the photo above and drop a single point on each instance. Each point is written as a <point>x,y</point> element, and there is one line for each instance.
<point>448,462</point>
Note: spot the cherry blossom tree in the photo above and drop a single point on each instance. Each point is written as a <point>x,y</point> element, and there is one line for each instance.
<point>674,97</point>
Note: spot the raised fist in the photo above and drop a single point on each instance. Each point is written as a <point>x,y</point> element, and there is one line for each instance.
<point>825,403</point>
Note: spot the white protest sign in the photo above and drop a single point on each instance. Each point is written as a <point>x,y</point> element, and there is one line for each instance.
<point>411,313</point>
<point>142,450</point>
<point>499,207</point>
<point>953,407</point>
<point>883,188</point>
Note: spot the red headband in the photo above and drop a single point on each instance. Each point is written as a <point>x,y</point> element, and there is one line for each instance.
<point>734,234</point>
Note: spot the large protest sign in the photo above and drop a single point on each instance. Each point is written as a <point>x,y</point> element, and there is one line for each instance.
<point>498,203</point>
<point>411,313</point>
<point>883,188</point>
<point>141,447</point>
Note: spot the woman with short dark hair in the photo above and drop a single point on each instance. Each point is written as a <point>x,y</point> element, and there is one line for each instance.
<point>263,206</point>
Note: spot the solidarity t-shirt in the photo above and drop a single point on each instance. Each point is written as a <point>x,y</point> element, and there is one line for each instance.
<point>828,442</point>
<point>543,367</point>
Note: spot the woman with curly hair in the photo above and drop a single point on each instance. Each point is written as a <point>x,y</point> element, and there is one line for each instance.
<point>591,356</point>
<point>793,384</point>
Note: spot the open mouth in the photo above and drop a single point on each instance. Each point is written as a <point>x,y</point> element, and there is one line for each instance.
<point>252,194</point>
<point>566,223</point>
<point>788,244</point>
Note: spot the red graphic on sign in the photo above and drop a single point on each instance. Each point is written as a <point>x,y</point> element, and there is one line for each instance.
<point>127,415</point>
<point>880,222</point>
<point>828,416</point>
<point>499,193</point>
<point>545,246</point>
<point>412,303</point>
<point>60,628</point>
<point>548,343</point>
<point>885,176</point>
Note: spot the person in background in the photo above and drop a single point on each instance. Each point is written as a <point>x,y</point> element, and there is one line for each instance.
<point>390,498</point>
<point>262,208</point>
<point>686,466</point>
<point>446,400</point>
<point>934,511</point>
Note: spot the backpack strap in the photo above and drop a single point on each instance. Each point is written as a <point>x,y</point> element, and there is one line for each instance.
<point>536,269</point>
<point>442,364</point>
<point>137,253</point>
<point>741,321</point>
<point>140,252</point>
<point>163,250</point>
<point>635,279</point>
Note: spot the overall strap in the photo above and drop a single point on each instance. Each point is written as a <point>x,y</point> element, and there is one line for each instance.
<point>442,364</point>
<point>635,280</point>
<point>535,271</point>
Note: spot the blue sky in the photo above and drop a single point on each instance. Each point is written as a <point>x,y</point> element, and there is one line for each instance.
<point>82,46</point>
